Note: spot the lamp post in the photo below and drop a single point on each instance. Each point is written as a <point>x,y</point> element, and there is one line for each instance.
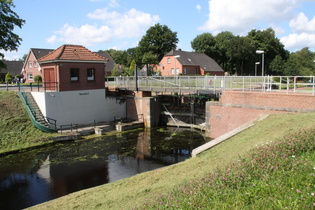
<point>262,62</point>
<point>257,63</point>
<point>175,72</point>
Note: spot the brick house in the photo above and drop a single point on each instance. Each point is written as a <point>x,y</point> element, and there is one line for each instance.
<point>72,67</point>
<point>188,63</point>
<point>31,68</point>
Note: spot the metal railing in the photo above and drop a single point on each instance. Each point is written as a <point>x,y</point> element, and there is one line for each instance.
<point>281,84</point>
<point>32,114</point>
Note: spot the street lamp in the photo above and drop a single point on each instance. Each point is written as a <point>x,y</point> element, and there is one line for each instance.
<point>257,63</point>
<point>175,71</point>
<point>262,62</point>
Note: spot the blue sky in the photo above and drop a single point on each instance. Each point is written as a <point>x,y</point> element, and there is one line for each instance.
<point>120,24</point>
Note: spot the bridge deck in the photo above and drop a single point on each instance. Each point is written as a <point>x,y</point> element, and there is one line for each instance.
<point>216,85</point>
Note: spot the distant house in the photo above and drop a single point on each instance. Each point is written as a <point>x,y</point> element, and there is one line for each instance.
<point>110,63</point>
<point>14,67</point>
<point>31,68</point>
<point>73,67</point>
<point>188,63</point>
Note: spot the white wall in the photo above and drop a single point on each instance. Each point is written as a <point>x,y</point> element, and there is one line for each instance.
<point>79,107</point>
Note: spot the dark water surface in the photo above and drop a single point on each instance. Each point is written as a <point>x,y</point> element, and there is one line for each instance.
<point>40,175</point>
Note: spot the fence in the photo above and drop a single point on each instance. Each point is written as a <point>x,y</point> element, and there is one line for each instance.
<point>285,84</point>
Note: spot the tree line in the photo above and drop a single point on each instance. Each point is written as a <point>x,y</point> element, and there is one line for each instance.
<point>235,54</point>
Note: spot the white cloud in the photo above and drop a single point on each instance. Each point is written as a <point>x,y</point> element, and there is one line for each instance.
<point>52,39</point>
<point>198,7</point>
<point>84,35</point>
<point>302,24</point>
<point>298,41</point>
<point>131,24</point>
<point>113,3</point>
<point>239,16</point>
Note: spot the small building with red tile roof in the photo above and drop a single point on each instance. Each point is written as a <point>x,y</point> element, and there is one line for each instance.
<point>72,67</point>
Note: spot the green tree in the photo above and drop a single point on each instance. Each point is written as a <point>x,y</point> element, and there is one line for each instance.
<point>205,43</point>
<point>8,77</point>
<point>267,41</point>
<point>9,41</point>
<point>301,63</point>
<point>158,40</point>
<point>277,65</point>
<point>223,45</point>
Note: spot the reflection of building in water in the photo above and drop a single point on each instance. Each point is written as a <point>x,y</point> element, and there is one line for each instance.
<point>44,170</point>
<point>144,144</point>
<point>67,178</point>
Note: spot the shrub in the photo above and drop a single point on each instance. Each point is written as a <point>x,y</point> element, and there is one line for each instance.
<point>38,78</point>
<point>8,77</point>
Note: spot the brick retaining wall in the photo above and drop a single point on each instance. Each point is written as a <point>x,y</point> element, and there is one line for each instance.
<point>237,108</point>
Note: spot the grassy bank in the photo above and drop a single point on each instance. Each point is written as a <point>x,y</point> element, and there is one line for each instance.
<point>156,187</point>
<point>16,129</point>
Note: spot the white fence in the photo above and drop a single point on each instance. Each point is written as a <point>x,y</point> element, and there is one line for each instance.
<point>284,84</point>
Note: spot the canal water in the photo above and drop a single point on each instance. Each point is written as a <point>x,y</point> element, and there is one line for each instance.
<point>40,175</point>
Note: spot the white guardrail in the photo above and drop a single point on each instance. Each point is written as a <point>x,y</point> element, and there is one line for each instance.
<point>285,84</point>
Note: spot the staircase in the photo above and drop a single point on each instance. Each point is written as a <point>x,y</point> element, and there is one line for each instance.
<point>38,119</point>
<point>37,113</point>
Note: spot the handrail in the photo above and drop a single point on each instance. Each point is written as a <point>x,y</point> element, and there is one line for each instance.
<point>32,113</point>
<point>217,84</point>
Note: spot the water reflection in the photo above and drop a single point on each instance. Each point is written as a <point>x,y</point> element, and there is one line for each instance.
<point>40,175</point>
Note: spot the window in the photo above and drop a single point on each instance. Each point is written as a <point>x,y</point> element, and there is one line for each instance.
<point>30,76</point>
<point>168,60</point>
<point>35,64</point>
<point>74,74</point>
<point>90,74</point>
<point>30,64</point>
<point>173,72</point>
<point>185,71</point>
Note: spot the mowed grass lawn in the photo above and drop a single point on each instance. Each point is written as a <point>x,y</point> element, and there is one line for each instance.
<point>16,129</point>
<point>247,171</point>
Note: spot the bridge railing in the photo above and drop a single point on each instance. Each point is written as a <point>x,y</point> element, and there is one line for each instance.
<point>285,84</point>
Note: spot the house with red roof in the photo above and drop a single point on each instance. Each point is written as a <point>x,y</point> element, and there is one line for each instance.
<point>72,67</point>
<point>74,83</point>
<point>178,62</point>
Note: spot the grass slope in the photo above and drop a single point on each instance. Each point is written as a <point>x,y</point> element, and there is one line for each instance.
<point>135,191</point>
<point>16,129</point>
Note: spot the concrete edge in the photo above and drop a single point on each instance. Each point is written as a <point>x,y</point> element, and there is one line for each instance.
<point>226,136</point>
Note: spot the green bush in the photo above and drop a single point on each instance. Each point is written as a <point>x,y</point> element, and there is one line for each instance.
<point>38,78</point>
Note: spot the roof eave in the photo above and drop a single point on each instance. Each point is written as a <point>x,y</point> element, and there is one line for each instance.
<point>71,61</point>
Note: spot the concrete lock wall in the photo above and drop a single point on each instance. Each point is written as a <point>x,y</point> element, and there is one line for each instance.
<point>79,107</point>
<point>237,108</point>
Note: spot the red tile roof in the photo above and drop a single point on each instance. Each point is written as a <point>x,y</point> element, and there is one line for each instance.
<point>72,52</point>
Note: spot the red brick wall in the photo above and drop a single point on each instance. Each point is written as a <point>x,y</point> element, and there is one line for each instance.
<point>63,76</point>
<point>33,70</point>
<point>237,108</point>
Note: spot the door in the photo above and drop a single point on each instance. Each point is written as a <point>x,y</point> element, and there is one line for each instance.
<point>49,79</point>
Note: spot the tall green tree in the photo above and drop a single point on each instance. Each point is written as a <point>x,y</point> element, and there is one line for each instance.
<point>158,40</point>
<point>9,41</point>
<point>267,41</point>
<point>301,63</point>
<point>224,42</point>
<point>205,43</point>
